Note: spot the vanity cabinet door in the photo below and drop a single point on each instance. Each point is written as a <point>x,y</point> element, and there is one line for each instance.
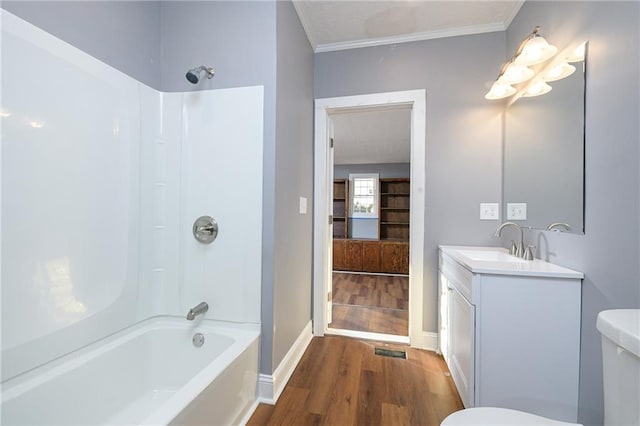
<point>461,344</point>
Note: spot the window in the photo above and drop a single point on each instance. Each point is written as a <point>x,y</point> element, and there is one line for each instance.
<point>364,195</point>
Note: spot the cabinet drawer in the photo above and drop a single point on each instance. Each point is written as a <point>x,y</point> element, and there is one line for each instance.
<point>457,275</point>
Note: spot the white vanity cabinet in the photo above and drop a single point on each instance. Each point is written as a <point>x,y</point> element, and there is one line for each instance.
<point>510,331</point>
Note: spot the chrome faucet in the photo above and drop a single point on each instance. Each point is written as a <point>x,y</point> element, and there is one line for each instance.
<point>519,247</point>
<point>199,309</point>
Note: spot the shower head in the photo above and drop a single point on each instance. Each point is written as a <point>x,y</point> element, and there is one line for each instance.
<point>193,75</point>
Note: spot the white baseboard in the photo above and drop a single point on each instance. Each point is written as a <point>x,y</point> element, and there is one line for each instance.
<point>425,340</point>
<point>249,413</point>
<point>271,386</point>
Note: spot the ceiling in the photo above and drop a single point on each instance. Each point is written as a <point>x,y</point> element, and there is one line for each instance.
<point>347,24</point>
<point>372,136</point>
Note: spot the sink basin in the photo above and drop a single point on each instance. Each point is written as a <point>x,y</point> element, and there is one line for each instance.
<point>497,260</point>
<point>490,256</point>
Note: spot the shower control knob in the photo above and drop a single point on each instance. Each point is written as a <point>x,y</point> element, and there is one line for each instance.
<point>205,229</point>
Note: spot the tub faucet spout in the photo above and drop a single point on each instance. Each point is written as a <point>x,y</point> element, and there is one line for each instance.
<point>199,309</point>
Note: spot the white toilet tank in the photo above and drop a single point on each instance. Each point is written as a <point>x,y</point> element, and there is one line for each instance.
<point>620,329</point>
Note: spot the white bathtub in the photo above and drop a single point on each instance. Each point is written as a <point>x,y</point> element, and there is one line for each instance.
<point>150,373</point>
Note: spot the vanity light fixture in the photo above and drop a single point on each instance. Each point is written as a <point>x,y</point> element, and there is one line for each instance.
<point>533,50</point>
<point>537,88</point>
<point>560,71</point>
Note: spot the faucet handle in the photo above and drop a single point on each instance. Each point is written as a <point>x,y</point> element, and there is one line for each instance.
<point>513,249</point>
<point>528,253</point>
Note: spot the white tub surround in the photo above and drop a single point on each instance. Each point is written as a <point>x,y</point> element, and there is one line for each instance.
<point>510,331</point>
<point>150,373</point>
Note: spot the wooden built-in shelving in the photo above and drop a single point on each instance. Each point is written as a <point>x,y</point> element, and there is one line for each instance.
<point>340,208</point>
<point>395,200</point>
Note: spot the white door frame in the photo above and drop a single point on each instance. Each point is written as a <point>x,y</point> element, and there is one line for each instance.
<point>416,99</point>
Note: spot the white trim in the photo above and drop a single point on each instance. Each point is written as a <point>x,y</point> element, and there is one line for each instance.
<point>249,413</point>
<point>517,5</point>
<point>406,38</point>
<point>271,386</point>
<point>416,99</point>
<point>427,341</point>
<point>366,335</point>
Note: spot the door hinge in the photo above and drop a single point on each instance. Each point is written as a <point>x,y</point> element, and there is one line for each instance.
<point>331,143</point>
<point>329,297</point>
<point>330,219</point>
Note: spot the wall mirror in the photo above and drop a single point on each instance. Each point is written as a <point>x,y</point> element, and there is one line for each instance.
<point>543,167</point>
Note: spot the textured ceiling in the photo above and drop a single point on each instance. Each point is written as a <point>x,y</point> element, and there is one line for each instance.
<point>344,24</point>
<point>372,136</point>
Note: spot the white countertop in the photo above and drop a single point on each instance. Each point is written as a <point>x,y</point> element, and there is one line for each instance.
<point>497,260</point>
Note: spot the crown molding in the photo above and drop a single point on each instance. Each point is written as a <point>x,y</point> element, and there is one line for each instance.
<point>514,12</point>
<point>406,38</point>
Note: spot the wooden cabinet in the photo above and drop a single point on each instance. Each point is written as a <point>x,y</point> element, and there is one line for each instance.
<point>390,254</point>
<point>371,256</point>
<point>353,255</point>
<point>395,198</point>
<point>340,208</point>
<point>395,257</point>
<point>371,259</point>
<point>339,254</point>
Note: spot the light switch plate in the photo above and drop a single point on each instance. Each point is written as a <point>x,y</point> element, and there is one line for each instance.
<point>303,205</point>
<point>516,211</point>
<point>489,211</point>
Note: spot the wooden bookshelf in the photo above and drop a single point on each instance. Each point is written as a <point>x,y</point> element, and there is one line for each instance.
<point>395,200</point>
<point>340,208</point>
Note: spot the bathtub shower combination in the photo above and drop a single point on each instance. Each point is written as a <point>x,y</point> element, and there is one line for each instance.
<point>102,181</point>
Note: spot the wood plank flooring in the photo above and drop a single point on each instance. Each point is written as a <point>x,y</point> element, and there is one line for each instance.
<point>340,381</point>
<point>374,303</point>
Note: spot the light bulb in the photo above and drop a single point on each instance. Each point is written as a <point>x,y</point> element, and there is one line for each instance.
<point>499,90</point>
<point>536,89</point>
<point>535,51</point>
<point>559,72</point>
<point>515,74</point>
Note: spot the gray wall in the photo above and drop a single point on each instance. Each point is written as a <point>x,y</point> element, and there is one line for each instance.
<point>463,130</point>
<point>125,35</point>
<point>294,178</point>
<point>609,252</point>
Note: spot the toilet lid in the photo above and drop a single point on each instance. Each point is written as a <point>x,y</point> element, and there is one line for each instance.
<point>491,416</point>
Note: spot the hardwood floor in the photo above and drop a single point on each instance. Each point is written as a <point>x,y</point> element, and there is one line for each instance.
<point>374,303</point>
<point>340,381</point>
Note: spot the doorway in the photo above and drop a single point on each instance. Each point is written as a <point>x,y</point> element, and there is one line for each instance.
<point>413,103</point>
<point>371,209</point>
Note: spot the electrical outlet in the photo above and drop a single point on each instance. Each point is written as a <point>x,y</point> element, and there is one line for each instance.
<point>516,211</point>
<point>489,211</point>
